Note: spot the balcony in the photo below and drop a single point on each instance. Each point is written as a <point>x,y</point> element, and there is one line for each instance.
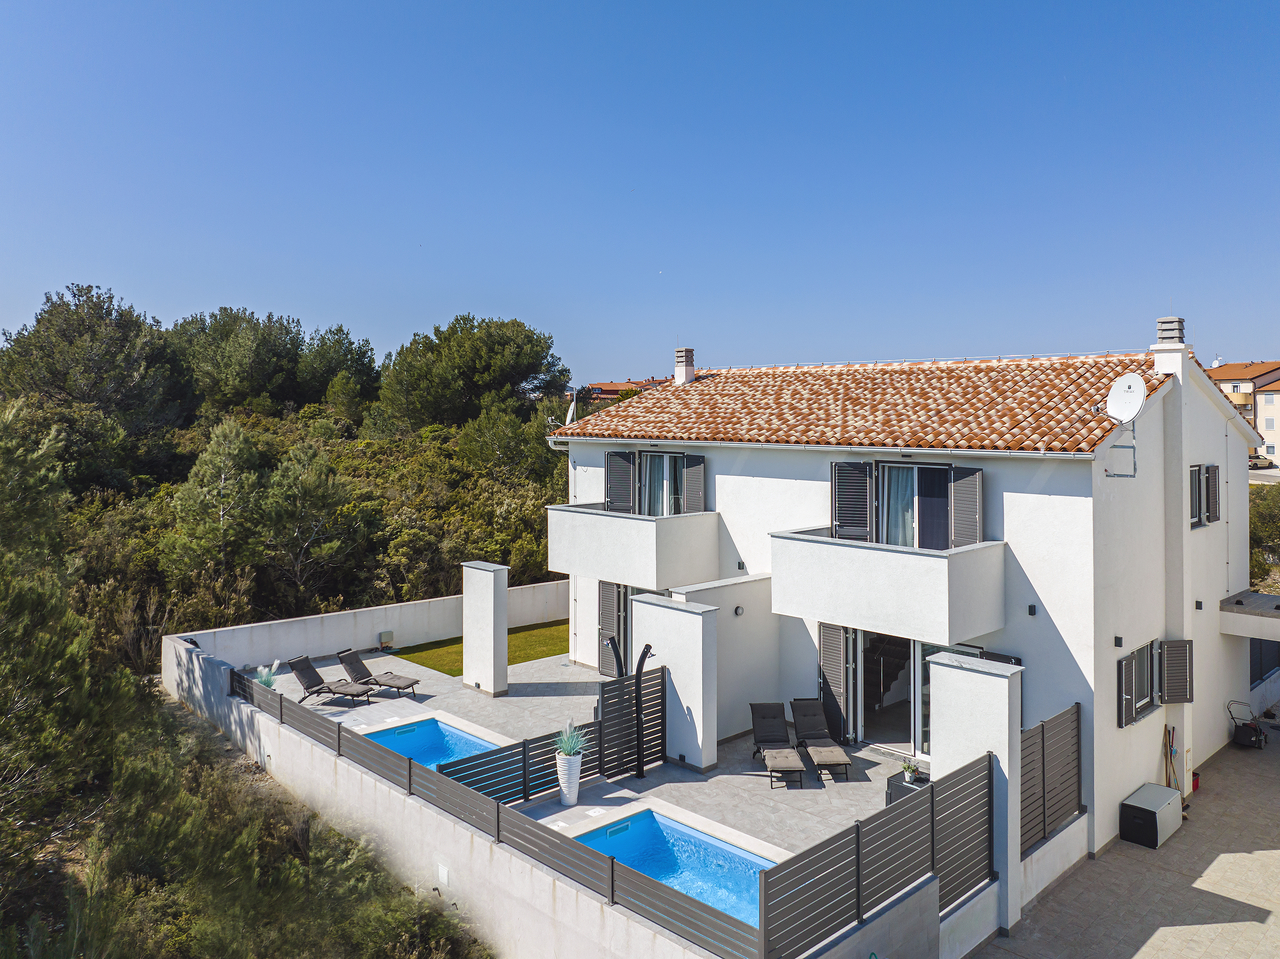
<point>942,597</point>
<point>649,552</point>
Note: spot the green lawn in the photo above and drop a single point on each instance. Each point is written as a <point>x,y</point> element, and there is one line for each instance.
<point>523,644</point>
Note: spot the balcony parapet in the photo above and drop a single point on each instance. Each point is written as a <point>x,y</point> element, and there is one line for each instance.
<point>943,597</point>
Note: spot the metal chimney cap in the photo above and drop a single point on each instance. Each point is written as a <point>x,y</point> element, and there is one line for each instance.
<point>1171,329</point>
<point>684,356</point>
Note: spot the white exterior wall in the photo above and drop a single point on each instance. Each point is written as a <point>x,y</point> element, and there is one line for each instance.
<point>422,621</point>
<point>747,647</point>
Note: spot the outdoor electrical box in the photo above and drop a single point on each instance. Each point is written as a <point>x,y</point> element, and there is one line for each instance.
<point>1151,815</point>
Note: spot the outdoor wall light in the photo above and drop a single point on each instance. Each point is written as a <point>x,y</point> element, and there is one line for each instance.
<point>1031,610</point>
<point>1119,640</point>
<point>1199,605</point>
<point>737,611</point>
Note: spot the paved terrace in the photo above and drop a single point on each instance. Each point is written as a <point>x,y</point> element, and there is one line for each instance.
<point>1213,889</point>
<point>544,693</point>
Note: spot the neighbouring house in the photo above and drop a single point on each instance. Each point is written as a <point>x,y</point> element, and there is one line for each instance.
<point>611,391</point>
<point>840,526</point>
<point>1253,387</point>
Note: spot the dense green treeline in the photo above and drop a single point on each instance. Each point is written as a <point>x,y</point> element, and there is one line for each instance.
<point>226,469</point>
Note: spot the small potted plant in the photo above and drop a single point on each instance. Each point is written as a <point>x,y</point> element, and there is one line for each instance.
<point>909,772</point>
<point>569,746</point>
<point>268,676</point>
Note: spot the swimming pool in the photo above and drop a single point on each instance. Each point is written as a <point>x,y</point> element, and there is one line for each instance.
<point>430,742</point>
<point>708,869</point>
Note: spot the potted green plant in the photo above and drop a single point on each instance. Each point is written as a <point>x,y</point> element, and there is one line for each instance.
<point>268,676</point>
<point>909,772</point>
<point>569,745</point>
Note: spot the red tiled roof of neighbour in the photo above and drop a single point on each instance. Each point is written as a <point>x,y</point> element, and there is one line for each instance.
<point>1030,405</point>
<point>1243,371</point>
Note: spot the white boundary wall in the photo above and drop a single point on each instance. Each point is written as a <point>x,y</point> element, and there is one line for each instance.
<point>422,621</point>
<point>1054,858</point>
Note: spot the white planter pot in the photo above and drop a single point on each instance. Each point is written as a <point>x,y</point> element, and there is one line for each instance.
<point>908,777</point>
<point>568,771</point>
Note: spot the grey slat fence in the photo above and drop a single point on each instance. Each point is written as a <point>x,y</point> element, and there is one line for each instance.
<point>945,829</point>
<point>1050,775</point>
<point>701,924</point>
<point>566,856</point>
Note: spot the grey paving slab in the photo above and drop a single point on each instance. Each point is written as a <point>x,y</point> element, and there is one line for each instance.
<point>1213,889</point>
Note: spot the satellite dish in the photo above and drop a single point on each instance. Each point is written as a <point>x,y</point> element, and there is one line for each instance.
<point>1125,400</point>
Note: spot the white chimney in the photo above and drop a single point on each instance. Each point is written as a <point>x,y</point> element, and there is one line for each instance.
<point>684,365</point>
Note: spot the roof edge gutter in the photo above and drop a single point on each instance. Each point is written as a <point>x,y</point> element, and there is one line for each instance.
<point>562,443</point>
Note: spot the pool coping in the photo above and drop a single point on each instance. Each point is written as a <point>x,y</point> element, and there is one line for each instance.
<point>717,830</point>
<point>457,722</point>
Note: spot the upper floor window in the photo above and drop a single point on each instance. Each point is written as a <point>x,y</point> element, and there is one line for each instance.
<point>1204,498</point>
<point>1235,387</point>
<point>1270,423</point>
<point>654,484</point>
<point>921,506</point>
<point>1269,399</point>
<point>661,484</point>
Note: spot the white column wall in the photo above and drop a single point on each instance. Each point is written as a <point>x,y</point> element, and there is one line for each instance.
<point>976,708</point>
<point>684,638</point>
<point>484,627</point>
<point>746,647</point>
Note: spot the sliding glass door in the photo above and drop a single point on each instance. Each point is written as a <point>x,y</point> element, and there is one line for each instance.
<point>915,506</point>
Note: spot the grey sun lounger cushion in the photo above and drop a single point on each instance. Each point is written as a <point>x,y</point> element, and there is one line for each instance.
<point>359,673</point>
<point>781,763</point>
<point>833,757</point>
<point>314,685</point>
<point>769,726</point>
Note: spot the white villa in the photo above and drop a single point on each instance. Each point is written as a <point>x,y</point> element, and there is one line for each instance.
<point>836,526</point>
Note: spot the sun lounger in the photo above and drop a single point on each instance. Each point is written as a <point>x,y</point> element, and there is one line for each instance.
<point>812,733</point>
<point>314,685</point>
<point>359,673</point>
<point>769,727</point>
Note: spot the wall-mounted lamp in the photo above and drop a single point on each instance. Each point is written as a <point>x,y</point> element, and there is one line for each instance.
<point>1031,610</point>
<point>1119,640</point>
<point>1199,605</point>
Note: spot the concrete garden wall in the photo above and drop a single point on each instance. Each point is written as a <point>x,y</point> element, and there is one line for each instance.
<point>422,621</point>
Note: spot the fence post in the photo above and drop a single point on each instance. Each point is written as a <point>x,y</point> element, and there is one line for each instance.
<point>991,815</point>
<point>762,937</point>
<point>1079,765</point>
<point>408,776</point>
<point>524,759</point>
<point>610,880</point>
<point>280,705</point>
<point>1044,787</point>
<point>857,867</point>
<point>339,740</point>
<point>933,834</point>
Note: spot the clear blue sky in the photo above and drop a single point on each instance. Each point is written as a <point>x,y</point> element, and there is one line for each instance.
<point>768,183</point>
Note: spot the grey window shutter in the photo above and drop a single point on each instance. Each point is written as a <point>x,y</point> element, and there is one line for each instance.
<point>695,480</point>
<point>608,620</point>
<point>1197,509</point>
<point>1124,690</point>
<point>831,665</point>
<point>1211,494</point>
<point>966,506</point>
<point>851,500</point>
<point>620,482</point>
<point>1176,684</point>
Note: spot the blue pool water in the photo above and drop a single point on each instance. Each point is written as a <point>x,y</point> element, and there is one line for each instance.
<point>430,742</point>
<point>701,866</point>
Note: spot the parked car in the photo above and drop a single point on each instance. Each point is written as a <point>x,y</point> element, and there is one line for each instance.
<point>1257,461</point>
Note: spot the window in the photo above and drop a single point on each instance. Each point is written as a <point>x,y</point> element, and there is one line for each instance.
<point>915,506</point>
<point>1269,399</point>
<point>1197,497</point>
<point>661,484</point>
<point>1271,450</point>
<point>1271,423</point>
<point>1235,387</point>
<point>1134,688</point>
<point>1204,500</point>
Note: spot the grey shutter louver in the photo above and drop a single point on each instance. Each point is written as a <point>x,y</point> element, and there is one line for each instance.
<point>1211,494</point>
<point>966,506</point>
<point>1176,685</point>
<point>1124,690</point>
<point>851,501</point>
<point>695,500</point>
<point>620,482</point>
<point>832,668</point>
<point>608,620</point>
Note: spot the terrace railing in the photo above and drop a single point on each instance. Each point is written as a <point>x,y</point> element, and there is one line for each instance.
<point>945,829</point>
<point>1051,780</point>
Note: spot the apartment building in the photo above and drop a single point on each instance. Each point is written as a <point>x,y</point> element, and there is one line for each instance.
<point>1253,387</point>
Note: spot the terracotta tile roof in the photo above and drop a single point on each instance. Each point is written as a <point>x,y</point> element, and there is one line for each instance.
<point>1242,371</point>
<point>1004,404</point>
